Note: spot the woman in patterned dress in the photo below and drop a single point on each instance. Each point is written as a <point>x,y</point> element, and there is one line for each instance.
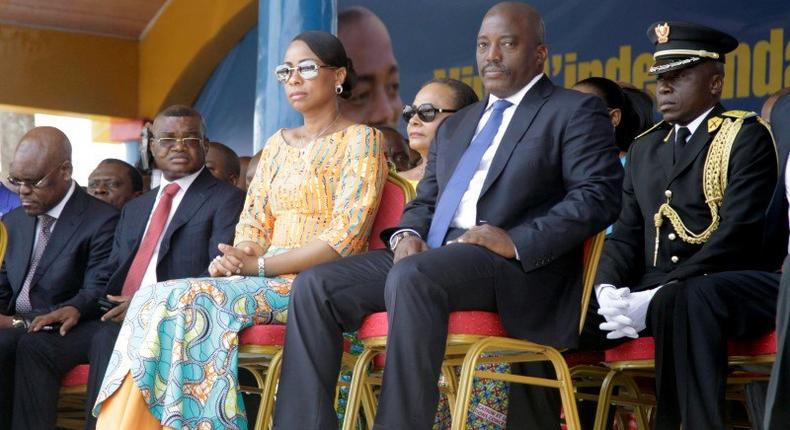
<point>313,200</point>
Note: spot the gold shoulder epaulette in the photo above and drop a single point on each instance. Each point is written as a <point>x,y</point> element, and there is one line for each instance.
<point>739,114</point>
<point>650,130</point>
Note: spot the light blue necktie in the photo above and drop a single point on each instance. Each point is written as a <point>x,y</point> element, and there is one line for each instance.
<point>462,175</point>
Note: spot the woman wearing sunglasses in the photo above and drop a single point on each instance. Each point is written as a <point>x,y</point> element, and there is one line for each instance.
<point>436,100</point>
<point>312,200</point>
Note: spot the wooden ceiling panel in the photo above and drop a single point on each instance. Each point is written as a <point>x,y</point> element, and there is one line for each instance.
<point>117,18</point>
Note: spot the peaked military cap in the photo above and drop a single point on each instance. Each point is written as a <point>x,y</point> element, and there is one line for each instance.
<point>683,44</point>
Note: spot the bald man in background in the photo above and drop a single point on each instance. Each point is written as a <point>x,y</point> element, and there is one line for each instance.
<point>53,270</point>
<point>375,99</point>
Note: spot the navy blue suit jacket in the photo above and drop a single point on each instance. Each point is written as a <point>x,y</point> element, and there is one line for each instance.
<point>554,181</point>
<point>71,270</point>
<point>207,216</point>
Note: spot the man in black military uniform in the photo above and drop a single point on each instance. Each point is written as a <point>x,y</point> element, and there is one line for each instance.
<point>696,190</point>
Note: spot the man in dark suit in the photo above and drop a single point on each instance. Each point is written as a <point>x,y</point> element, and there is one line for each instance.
<point>513,187</point>
<point>695,195</point>
<point>203,214</point>
<point>777,407</point>
<point>53,270</point>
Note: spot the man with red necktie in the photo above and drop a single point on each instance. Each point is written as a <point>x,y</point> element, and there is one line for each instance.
<point>170,232</point>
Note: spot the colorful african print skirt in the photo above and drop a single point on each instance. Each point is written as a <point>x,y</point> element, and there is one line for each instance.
<point>179,341</point>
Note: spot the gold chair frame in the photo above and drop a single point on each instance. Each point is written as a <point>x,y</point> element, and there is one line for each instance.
<point>465,351</point>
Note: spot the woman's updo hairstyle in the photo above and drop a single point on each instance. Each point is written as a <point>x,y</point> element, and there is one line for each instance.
<point>330,50</point>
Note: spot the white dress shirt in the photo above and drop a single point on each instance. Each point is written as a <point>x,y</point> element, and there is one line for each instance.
<point>55,213</point>
<point>693,125</point>
<point>466,214</point>
<point>150,272</point>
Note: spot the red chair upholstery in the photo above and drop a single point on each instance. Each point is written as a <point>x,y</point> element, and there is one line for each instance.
<point>462,322</point>
<point>644,348</point>
<point>477,323</point>
<point>763,345</point>
<point>260,334</point>
<point>77,376</point>
<point>390,209</point>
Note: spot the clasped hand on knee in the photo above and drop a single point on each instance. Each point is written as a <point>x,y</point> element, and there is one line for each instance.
<point>625,312</point>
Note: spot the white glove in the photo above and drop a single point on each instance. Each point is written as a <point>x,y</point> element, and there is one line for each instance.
<point>613,305</point>
<point>638,304</point>
<point>624,321</point>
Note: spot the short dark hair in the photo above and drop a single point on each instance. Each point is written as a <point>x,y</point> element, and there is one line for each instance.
<point>331,52</point>
<point>614,98</point>
<point>229,155</point>
<point>463,94</point>
<point>181,111</point>
<point>134,175</point>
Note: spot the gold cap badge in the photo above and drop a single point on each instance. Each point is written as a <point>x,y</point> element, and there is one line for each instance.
<point>662,32</point>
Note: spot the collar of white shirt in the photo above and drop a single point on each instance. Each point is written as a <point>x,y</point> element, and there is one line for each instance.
<point>517,97</point>
<point>694,125</point>
<point>58,209</point>
<point>184,182</point>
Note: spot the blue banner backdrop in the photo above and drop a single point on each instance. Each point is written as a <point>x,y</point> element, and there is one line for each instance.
<point>585,38</point>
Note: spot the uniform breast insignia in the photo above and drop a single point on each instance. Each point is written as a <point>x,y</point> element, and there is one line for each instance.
<point>662,32</point>
<point>714,124</point>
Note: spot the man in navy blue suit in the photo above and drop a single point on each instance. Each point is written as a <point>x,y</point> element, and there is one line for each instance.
<point>170,232</point>
<point>53,271</point>
<point>513,187</point>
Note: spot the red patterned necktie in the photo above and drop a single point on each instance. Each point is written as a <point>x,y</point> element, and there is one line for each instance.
<point>155,229</point>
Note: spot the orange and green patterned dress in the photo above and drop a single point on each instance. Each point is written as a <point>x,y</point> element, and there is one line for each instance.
<point>175,361</point>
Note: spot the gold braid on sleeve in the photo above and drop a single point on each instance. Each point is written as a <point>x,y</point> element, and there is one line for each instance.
<point>714,184</point>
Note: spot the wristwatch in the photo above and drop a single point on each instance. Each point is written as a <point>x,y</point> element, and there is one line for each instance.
<point>18,322</point>
<point>398,237</point>
<point>261,267</point>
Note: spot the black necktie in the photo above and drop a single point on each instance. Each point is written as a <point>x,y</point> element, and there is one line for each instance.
<point>680,141</point>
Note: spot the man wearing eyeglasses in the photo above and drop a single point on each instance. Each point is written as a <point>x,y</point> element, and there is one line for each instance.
<point>115,182</point>
<point>53,271</point>
<point>170,232</point>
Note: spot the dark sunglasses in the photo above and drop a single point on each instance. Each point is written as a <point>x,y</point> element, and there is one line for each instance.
<point>426,112</point>
<point>307,69</point>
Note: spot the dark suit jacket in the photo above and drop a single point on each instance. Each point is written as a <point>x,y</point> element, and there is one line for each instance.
<point>71,271</point>
<point>207,216</point>
<point>776,230</point>
<point>555,181</point>
<point>627,259</point>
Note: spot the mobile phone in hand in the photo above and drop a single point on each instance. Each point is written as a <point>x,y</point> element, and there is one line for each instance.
<point>106,304</point>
